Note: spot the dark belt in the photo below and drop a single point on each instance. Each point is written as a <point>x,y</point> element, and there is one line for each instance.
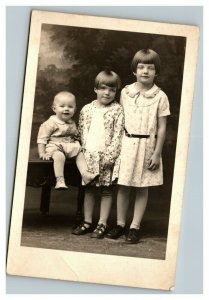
<point>139,136</point>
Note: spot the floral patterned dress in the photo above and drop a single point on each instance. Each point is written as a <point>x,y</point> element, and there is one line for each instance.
<point>113,124</point>
<point>141,114</point>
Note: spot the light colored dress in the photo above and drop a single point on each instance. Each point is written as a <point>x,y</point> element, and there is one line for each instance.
<point>96,136</point>
<point>61,136</point>
<point>142,111</point>
<point>101,132</point>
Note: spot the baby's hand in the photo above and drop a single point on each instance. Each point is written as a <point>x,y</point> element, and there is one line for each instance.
<point>154,162</point>
<point>45,156</point>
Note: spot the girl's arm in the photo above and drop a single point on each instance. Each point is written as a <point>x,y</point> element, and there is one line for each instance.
<point>161,132</point>
<point>113,151</point>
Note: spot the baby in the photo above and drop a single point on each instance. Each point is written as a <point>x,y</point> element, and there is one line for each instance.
<point>58,139</point>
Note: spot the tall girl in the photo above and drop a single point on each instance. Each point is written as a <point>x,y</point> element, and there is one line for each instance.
<point>101,126</point>
<point>146,108</point>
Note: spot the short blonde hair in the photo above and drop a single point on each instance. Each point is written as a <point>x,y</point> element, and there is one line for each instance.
<point>108,78</point>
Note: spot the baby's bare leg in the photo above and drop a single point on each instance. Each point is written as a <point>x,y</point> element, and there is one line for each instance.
<point>59,162</point>
<point>81,163</point>
<point>83,169</point>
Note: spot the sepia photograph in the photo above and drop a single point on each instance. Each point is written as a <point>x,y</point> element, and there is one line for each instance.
<point>102,150</point>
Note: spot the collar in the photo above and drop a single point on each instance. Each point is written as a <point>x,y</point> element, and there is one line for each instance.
<point>58,121</point>
<point>105,108</point>
<point>132,90</point>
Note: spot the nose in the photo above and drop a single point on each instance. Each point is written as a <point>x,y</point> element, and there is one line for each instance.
<point>107,91</point>
<point>145,70</point>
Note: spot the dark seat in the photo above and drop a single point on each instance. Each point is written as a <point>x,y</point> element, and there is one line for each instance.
<point>40,173</point>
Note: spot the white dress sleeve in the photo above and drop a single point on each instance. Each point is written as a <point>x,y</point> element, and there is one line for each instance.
<point>164,107</point>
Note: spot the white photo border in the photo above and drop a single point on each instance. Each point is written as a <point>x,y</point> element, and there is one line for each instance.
<point>147,273</point>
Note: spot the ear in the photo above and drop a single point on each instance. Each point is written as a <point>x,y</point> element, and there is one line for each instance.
<point>134,73</point>
<point>95,90</point>
<point>53,108</point>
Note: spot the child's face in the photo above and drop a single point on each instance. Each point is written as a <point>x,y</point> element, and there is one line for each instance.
<point>105,94</point>
<point>145,73</point>
<point>64,107</point>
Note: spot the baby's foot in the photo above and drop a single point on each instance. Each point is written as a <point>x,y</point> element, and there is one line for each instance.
<point>89,177</point>
<point>60,184</point>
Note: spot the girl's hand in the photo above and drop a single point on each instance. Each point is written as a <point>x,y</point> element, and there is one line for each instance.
<point>108,162</point>
<point>154,162</point>
<point>45,156</point>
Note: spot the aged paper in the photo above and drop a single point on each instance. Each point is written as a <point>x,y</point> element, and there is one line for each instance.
<point>94,266</point>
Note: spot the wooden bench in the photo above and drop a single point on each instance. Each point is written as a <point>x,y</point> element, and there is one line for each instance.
<point>40,173</point>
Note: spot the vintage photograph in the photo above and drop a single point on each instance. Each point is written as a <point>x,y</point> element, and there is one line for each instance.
<point>104,136</point>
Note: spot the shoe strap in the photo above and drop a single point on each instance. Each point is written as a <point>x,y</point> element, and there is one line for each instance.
<point>83,225</point>
<point>60,179</point>
<point>101,227</point>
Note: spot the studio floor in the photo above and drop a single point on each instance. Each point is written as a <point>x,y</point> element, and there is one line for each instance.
<point>53,231</point>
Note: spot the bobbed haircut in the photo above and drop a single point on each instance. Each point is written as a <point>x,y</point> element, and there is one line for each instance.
<point>108,78</point>
<point>146,56</point>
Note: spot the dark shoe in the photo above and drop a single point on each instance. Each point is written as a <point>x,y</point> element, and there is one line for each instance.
<point>82,229</point>
<point>116,232</point>
<point>133,236</point>
<point>100,231</point>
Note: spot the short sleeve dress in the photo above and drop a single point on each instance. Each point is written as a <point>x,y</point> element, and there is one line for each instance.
<point>142,110</point>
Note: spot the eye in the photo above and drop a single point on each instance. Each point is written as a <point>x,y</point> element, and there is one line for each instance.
<point>140,67</point>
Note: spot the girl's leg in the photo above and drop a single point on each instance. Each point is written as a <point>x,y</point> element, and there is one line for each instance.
<point>106,203</point>
<point>122,204</point>
<point>122,207</point>
<point>83,169</point>
<point>105,206</point>
<point>140,206</point>
<point>89,201</point>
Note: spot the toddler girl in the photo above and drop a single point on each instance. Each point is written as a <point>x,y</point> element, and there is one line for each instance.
<point>146,108</point>
<point>58,139</point>
<point>101,126</point>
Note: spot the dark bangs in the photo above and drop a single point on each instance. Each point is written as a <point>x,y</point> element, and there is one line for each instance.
<point>146,56</point>
<point>108,78</point>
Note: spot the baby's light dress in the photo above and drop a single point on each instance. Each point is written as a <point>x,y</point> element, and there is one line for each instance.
<point>61,136</point>
<point>141,114</point>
